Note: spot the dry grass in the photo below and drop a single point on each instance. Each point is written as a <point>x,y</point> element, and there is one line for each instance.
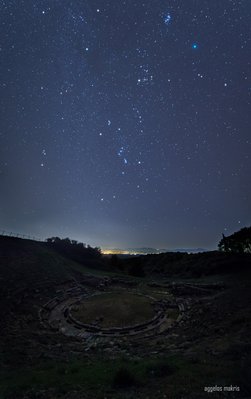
<point>115,309</point>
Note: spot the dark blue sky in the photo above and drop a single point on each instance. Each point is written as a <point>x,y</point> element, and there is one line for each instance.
<point>126,123</point>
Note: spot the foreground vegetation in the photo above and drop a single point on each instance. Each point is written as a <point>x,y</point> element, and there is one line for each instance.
<point>174,375</point>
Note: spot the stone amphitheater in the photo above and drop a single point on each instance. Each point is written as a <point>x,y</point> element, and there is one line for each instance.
<point>59,314</point>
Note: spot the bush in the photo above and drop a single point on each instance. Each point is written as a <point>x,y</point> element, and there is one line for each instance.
<point>124,378</point>
<point>160,369</point>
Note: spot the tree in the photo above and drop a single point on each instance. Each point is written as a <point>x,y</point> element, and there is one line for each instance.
<point>238,242</point>
<point>74,249</point>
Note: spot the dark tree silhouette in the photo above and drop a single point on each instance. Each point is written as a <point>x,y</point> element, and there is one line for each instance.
<point>73,249</point>
<point>238,242</point>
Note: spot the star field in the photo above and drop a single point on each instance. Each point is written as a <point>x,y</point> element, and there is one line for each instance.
<point>126,123</point>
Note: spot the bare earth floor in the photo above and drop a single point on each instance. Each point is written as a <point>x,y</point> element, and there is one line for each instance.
<point>115,309</point>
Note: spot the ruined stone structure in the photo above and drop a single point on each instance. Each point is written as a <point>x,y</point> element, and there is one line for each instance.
<point>57,314</point>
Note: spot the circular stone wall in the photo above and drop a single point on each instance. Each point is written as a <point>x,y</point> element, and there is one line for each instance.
<point>99,316</point>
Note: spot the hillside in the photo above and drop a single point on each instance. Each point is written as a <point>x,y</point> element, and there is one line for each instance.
<point>72,332</point>
<point>28,264</point>
<point>188,265</point>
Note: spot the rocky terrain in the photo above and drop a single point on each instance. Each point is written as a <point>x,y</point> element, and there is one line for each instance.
<point>195,338</point>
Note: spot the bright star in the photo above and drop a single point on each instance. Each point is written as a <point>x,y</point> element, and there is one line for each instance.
<point>167,18</point>
<point>194,46</point>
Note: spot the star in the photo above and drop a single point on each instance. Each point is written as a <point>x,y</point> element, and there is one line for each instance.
<point>114,101</point>
<point>167,18</point>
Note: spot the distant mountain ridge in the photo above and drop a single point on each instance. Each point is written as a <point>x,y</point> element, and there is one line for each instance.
<point>149,250</point>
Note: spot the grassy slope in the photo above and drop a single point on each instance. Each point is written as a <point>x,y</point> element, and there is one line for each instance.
<point>28,264</point>
<point>25,263</point>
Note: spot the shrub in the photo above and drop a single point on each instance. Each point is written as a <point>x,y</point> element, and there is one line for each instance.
<point>161,369</point>
<point>123,378</point>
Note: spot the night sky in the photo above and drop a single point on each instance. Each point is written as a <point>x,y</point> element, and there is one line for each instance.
<point>126,123</point>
